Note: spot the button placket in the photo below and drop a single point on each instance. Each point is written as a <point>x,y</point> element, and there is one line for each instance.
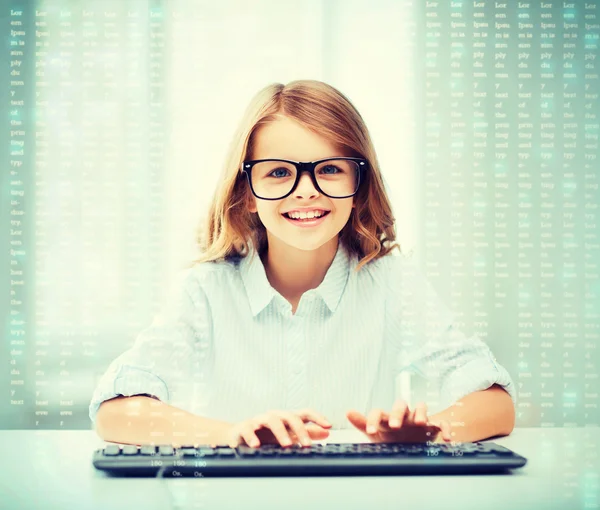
<point>297,361</point>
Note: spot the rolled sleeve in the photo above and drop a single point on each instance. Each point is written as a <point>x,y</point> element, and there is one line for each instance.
<point>428,344</point>
<point>166,355</point>
<point>127,381</point>
<point>473,368</point>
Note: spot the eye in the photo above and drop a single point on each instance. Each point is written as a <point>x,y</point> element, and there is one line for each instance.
<point>279,169</point>
<point>330,167</point>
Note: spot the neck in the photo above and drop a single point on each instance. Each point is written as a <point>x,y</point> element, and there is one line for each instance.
<point>292,271</point>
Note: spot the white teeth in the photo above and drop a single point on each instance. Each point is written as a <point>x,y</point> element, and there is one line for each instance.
<point>311,214</point>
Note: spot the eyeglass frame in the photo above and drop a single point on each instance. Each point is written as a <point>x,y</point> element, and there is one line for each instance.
<point>304,166</point>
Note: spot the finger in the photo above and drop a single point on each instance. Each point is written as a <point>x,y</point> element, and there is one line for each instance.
<point>420,414</point>
<point>439,429</point>
<point>297,426</point>
<point>316,431</point>
<point>446,432</point>
<point>275,423</point>
<point>373,420</point>
<point>310,414</point>
<point>248,432</point>
<point>357,419</point>
<point>410,418</point>
<point>398,413</point>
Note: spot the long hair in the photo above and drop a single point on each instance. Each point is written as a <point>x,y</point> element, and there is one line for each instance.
<point>226,231</point>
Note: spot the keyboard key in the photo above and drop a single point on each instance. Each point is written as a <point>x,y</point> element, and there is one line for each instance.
<point>148,449</point>
<point>130,449</point>
<point>112,449</point>
<point>166,450</point>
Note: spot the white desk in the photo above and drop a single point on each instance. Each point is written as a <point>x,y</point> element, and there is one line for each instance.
<point>53,470</point>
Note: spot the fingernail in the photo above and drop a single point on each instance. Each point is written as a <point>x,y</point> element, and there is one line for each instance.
<point>371,429</point>
<point>394,422</point>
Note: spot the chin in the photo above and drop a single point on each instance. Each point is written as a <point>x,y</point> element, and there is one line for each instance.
<point>313,244</point>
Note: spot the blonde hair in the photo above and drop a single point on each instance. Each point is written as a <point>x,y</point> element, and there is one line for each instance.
<point>321,108</point>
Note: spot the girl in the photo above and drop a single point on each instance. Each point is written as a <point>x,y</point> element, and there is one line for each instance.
<point>297,316</point>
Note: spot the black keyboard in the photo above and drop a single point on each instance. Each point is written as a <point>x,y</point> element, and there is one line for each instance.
<point>335,459</point>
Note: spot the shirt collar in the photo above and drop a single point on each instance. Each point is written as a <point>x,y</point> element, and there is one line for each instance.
<point>261,293</point>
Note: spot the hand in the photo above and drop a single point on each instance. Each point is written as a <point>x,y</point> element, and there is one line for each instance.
<point>278,427</point>
<point>413,426</point>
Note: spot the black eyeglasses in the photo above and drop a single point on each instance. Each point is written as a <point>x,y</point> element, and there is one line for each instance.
<point>342,183</point>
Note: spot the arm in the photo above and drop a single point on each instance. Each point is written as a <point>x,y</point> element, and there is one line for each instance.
<point>477,394</point>
<point>168,360</point>
<point>143,420</point>
<point>479,415</point>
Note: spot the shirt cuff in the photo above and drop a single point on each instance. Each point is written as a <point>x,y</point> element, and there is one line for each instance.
<point>476,375</point>
<point>128,382</point>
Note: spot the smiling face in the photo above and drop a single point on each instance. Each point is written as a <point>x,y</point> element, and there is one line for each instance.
<point>286,139</point>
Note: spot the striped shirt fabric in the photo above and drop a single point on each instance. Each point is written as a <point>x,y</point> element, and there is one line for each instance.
<point>227,346</point>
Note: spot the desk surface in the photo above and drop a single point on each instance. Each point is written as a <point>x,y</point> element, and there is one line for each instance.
<point>53,470</point>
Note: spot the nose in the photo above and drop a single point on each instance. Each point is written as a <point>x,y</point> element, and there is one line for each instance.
<point>305,186</point>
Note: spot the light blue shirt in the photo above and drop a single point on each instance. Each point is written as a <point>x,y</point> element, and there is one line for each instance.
<point>227,346</point>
